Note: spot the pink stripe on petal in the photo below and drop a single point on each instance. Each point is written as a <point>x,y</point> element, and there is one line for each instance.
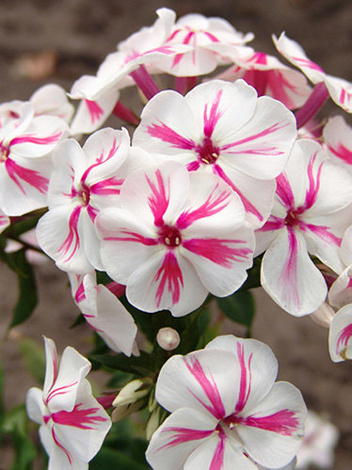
<point>29,138</point>
<point>32,177</point>
<point>245,381</point>
<point>134,237</point>
<point>217,250</point>
<point>342,342</point>
<point>322,232</point>
<point>94,110</point>
<point>211,36</point>
<point>213,205</point>
<point>159,200</point>
<point>72,241</point>
<point>169,276</point>
<point>313,189</point>
<point>217,461</point>
<point>308,63</point>
<point>58,443</point>
<point>59,391</point>
<point>273,223</point>
<point>82,418</point>
<point>209,387</point>
<point>107,187</point>
<point>215,114</point>
<point>342,152</point>
<point>166,134</point>
<point>284,191</point>
<point>288,280</point>
<point>282,422</point>
<point>269,130</point>
<point>249,207</point>
<point>183,435</point>
<point>80,294</point>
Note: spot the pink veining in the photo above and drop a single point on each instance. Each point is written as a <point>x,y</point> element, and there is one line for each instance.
<point>218,251</point>
<point>183,435</point>
<point>95,111</point>
<point>245,381</point>
<point>31,177</point>
<point>72,241</point>
<point>209,387</point>
<point>82,418</point>
<point>169,276</point>
<point>158,201</point>
<point>343,339</point>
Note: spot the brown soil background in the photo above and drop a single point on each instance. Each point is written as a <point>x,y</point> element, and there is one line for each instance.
<point>81,33</point>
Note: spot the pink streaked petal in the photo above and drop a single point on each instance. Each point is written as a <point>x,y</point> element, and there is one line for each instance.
<point>221,263</point>
<point>340,335</point>
<point>35,406</point>
<point>256,370</point>
<point>84,428</point>
<point>220,452</point>
<point>211,116</point>
<point>257,196</point>
<point>126,242</point>
<point>284,191</point>
<point>162,131</point>
<point>20,175</point>
<point>209,387</point>
<point>178,437</point>
<point>4,221</point>
<point>276,422</point>
<point>199,381</point>
<point>51,370</point>
<point>338,139</point>
<point>91,115</point>
<point>340,91</point>
<point>73,368</point>
<point>261,147</point>
<point>166,281</point>
<point>290,277</point>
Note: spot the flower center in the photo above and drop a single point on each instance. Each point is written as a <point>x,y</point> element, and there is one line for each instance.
<point>82,193</point>
<point>208,152</point>
<point>4,152</point>
<point>292,219</point>
<point>170,236</point>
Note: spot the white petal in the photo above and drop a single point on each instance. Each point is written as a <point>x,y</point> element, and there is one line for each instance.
<point>272,432</point>
<point>35,406</point>
<point>177,437</point>
<point>290,277</point>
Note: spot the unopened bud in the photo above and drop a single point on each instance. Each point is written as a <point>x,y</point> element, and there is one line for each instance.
<point>122,412</point>
<point>153,423</point>
<point>168,338</point>
<point>133,392</point>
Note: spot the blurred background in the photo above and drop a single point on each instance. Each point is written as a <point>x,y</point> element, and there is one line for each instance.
<point>44,41</point>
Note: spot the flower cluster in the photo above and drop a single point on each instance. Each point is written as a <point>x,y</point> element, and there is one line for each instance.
<point>221,177</point>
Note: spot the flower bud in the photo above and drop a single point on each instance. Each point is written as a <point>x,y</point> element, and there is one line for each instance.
<point>133,392</point>
<point>168,338</point>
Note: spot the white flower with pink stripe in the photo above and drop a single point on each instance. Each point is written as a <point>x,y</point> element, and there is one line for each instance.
<point>340,90</point>
<point>225,129</point>
<point>177,236</point>
<point>84,181</point>
<point>26,144</point>
<point>309,218</point>
<point>73,425</point>
<point>227,410</point>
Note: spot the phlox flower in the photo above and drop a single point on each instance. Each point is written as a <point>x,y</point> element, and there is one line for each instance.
<point>227,410</point>
<point>84,180</point>
<point>104,313</point>
<point>309,217</point>
<point>73,424</point>
<point>340,90</point>
<point>224,129</point>
<point>269,77</point>
<point>48,100</point>
<point>26,142</point>
<point>201,33</point>
<point>319,442</point>
<point>175,237</point>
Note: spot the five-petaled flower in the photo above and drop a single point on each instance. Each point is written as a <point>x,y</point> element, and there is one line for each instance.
<point>227,410</point>
<point>176,236</point>
<point>73,424</point>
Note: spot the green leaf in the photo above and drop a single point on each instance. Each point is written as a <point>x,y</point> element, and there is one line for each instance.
<point>141,365</point>
<point>16,424</point>
<point>34,358</point>
<point>239,307</point>
<point>28,299</point>
<point>110,459</point>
